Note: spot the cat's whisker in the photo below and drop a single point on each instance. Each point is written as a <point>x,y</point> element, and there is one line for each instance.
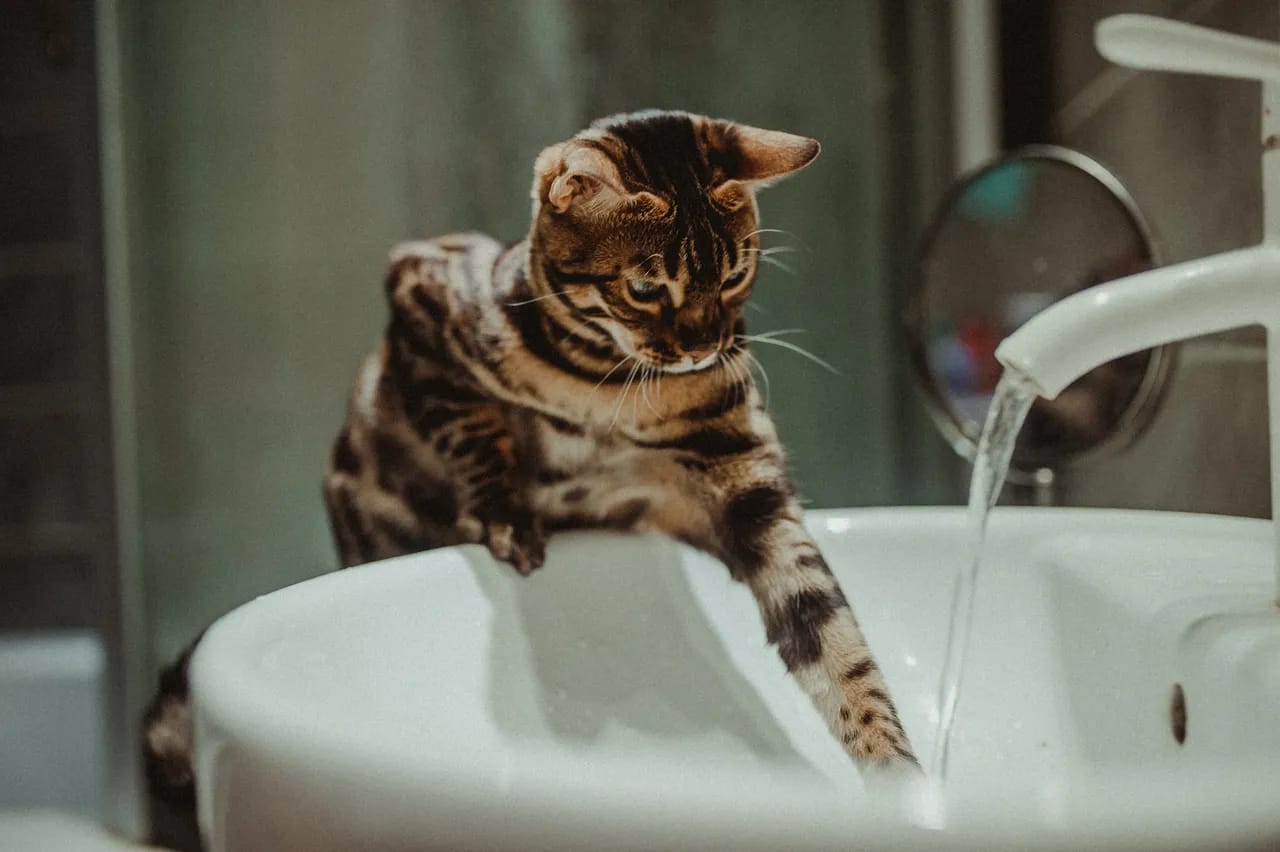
<point>537,299</point>
<point>779,332</point>
<point>656,254</point>
<point>731,362</point>
<point>622,396</point>
<point>617,403</point>
<point>786,344</point>
<point>635,400</point>
<point>612,370</point>
<point>641,394</point>
<point>635,393</point>
<point>748,380</point>
<point>769,252</point>
<point>745,368</point>
<point>773,261</point>
<point>644,374</point>
<point>764,375</point>
<point>767,231</point>
<point>761,253</point>
<point>650,373</point>
<point>735,372</point>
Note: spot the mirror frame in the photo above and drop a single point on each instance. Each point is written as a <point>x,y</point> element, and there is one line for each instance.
<point>963,437</point>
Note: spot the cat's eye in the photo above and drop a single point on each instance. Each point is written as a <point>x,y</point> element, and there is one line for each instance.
<point>644,290</point>
<point>733,282</point>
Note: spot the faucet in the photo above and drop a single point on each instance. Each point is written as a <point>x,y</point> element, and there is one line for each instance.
<point>1201,296</point>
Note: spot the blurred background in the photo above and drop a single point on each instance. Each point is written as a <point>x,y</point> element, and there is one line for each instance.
<point>197,200</point>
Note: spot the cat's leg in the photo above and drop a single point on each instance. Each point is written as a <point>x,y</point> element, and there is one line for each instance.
<point>448,473</point>
<point>808,618</point>
<point>369,524</point>
<point>380,502</point>
<point>346,522</point>
<point>460,432</point>
<point>389,505</point>
<point>493,506</point>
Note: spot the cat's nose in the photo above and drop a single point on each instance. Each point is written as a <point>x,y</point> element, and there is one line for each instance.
<point>697,341</point>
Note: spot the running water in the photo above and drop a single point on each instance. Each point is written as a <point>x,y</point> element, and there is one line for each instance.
<point>1009,407</point>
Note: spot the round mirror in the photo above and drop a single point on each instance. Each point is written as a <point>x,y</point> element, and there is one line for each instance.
<point>1011,239</point>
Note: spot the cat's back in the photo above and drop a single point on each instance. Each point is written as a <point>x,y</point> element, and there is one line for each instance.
<point>459,265</point>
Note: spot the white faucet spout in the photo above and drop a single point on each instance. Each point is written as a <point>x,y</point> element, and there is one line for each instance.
<point>1141,311</point>
<point>1143,41</point>
<point>1153,308</point>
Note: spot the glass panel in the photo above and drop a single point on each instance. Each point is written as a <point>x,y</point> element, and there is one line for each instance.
<point>41,466</point>
<point>39,343</point>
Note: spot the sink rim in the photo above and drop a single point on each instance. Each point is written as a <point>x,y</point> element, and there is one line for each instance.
<point>231,695</point>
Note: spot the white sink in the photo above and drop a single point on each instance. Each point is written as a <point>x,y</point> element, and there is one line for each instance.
<point>624,696</point>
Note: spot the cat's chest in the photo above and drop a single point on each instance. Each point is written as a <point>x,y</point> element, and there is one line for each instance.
<point>557,451</point>
<point>593,476</point>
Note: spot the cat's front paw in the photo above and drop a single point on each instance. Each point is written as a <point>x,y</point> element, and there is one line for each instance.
<point>869,726</point>
<point>516,538</point>
<point>520,542</point>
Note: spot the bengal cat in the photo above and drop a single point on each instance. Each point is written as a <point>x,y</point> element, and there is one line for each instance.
<point>593,374</point>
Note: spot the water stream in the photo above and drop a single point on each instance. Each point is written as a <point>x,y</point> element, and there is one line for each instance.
<point>1009,406</point>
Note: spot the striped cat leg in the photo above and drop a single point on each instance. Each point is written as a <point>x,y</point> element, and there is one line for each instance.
<point>478,455</point>
<point>379,504</point>
<point>345,521</point>
<point>493,509</point>
<point>369,524</point>
<point>514,536</point>
<point>808,618</point>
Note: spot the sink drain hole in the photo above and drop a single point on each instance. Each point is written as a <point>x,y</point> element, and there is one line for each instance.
<point>1178,714</point>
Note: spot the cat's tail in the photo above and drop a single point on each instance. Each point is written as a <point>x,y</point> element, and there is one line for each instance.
<point>167,749</point>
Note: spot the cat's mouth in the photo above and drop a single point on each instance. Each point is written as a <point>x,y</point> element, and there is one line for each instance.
<point>667,363</point>
<point>687,364</point>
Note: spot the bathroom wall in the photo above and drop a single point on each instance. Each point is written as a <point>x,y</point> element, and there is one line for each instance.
<point>1188,149</point>
<point>273,153</point>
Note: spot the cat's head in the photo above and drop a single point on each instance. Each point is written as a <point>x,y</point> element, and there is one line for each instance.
<point>647,223</point>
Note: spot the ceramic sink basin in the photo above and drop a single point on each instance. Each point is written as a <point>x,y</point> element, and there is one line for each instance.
<point>624,696</point>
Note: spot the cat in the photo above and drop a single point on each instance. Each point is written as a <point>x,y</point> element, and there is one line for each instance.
<point>594,374</point>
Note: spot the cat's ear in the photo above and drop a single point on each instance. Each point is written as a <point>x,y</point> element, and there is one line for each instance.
<point>759,157</point>
<point>582,178</point>
<point>572,174</point>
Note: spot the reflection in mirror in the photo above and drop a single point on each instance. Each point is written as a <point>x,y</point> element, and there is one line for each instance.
<point>1011,239</point>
